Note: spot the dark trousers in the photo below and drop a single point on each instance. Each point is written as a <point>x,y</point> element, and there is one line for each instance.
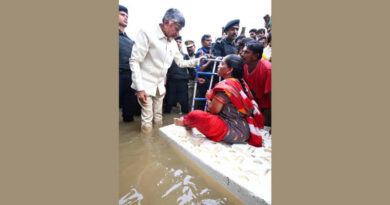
<point>201,93</point>
<point>267,116</point>
<point>177,91</point>
<point>127,98</point>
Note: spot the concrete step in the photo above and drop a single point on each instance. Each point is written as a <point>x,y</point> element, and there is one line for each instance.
<point>243,169</point>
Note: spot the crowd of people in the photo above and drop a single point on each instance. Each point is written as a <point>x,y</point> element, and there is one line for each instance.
<point>155,74</point>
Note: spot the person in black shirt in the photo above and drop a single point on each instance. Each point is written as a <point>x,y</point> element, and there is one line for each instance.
<point>127,98</point>
<point>227,46</point>
<point>177,85</point>
<point>221,48</point>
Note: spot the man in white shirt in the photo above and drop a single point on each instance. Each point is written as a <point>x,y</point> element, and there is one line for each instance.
<point>152,55</point>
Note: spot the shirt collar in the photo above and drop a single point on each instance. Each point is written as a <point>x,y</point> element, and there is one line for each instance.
<point>121,33</point>
<point>205,50</point>
<point>160,33</point>
<point>225,39</point>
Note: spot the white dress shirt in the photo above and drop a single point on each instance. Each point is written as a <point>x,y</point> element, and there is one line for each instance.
<point>151,57</point>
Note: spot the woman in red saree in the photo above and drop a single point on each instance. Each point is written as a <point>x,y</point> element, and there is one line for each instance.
<point>233,116</point>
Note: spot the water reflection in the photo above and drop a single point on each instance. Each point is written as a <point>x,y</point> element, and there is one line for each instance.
<point>131,198</point>
<point>152,172</point>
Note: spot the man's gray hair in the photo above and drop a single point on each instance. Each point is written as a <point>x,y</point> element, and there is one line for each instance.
<point>174,15</point>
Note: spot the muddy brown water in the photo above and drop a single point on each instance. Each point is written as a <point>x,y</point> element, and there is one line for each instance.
<point>152,171</point>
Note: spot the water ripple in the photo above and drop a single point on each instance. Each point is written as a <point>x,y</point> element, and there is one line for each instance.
<point>132,197</point>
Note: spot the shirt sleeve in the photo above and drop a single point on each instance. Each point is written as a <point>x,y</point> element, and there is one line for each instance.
<point>140,49</point>
<point>198,54</point>
<point>178,57</point>
<point>131,46</point>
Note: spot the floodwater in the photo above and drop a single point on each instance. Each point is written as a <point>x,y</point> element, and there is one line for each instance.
<point>152,171</point>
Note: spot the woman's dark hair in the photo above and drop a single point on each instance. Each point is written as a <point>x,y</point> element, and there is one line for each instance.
<point>237,63</point>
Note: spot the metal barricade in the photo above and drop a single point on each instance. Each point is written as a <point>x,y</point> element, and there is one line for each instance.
<point>213,73</point>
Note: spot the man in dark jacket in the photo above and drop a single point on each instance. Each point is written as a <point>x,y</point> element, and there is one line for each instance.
<point>177,85</point>
<point>127,98</point>
<point>227,46</point>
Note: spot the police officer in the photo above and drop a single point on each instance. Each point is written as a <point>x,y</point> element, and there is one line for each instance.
<point>227,46</point>
<point>223,47</point>
<point>127,98</point>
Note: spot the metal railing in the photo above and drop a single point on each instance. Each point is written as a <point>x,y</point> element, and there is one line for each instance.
<point>213,73</point>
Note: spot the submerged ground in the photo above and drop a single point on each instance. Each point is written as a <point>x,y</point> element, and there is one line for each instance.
<point>152,171</point>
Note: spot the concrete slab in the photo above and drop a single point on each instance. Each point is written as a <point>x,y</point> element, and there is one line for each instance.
<point>243,169</point>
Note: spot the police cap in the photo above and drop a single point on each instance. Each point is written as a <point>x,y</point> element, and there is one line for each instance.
<point>231,23</point>
<point>122,8</point>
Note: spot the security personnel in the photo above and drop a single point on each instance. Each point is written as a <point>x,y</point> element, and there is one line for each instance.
<point>176,85</point>
<point>127,98</point>
<point>227,46</point>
